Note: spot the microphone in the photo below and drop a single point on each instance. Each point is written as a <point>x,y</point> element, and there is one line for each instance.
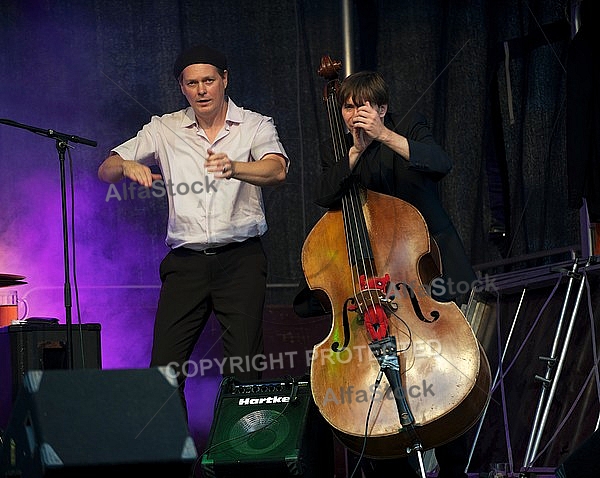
<point>50,133</point>
<point>385,350</point>
<point>71,137</point>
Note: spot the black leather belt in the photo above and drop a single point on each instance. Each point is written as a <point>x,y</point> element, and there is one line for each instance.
<point>211,251</point>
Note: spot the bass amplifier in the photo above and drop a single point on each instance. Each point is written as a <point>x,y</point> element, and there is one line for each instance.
<point>270,426</point>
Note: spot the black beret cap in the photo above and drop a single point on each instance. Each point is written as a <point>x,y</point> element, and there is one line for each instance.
<point>199,54</point>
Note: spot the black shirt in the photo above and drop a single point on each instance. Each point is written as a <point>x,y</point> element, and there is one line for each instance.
<point>381,170</point>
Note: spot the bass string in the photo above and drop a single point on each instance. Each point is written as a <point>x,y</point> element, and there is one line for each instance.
<point>357,236</point>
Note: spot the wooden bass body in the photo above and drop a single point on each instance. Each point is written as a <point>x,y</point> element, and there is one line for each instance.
<point>444,371</point>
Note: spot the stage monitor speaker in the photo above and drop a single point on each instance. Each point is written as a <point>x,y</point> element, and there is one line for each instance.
<point>583,462</point>
<point>93,423</point>
<point>268,427</point>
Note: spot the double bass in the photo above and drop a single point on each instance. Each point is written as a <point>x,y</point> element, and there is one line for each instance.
<point>398,370</point>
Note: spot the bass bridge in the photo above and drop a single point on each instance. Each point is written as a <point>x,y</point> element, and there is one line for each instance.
<point>369,303</point>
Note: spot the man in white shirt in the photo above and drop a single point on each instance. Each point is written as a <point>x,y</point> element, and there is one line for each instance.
<point>214,157</point>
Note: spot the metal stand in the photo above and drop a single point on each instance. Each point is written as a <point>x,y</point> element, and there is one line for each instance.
<point>498,376</point>
<point>62,142</point>
<point>385,350</point>
<point>555,361</point>
<point>582,262</point>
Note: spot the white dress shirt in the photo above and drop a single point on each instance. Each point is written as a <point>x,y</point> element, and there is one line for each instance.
<point>203,211</point>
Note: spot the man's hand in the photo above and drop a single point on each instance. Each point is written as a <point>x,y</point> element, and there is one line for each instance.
<point>369,120</point>
<point>220,165</point>
<point>139,173</point>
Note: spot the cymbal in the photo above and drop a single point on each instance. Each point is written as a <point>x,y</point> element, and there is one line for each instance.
<point>11,283</point>
<point>13,277</point>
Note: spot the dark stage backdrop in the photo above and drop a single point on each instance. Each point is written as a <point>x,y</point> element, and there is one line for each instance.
<point>489,75</point>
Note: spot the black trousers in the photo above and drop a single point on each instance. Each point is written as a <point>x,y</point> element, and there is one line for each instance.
<point>232,284</point>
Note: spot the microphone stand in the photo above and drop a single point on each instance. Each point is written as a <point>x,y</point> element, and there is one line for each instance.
<point>385,350</point>
<point>62,142</point>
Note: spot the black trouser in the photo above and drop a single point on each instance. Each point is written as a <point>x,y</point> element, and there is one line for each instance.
<point>232,284</point>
